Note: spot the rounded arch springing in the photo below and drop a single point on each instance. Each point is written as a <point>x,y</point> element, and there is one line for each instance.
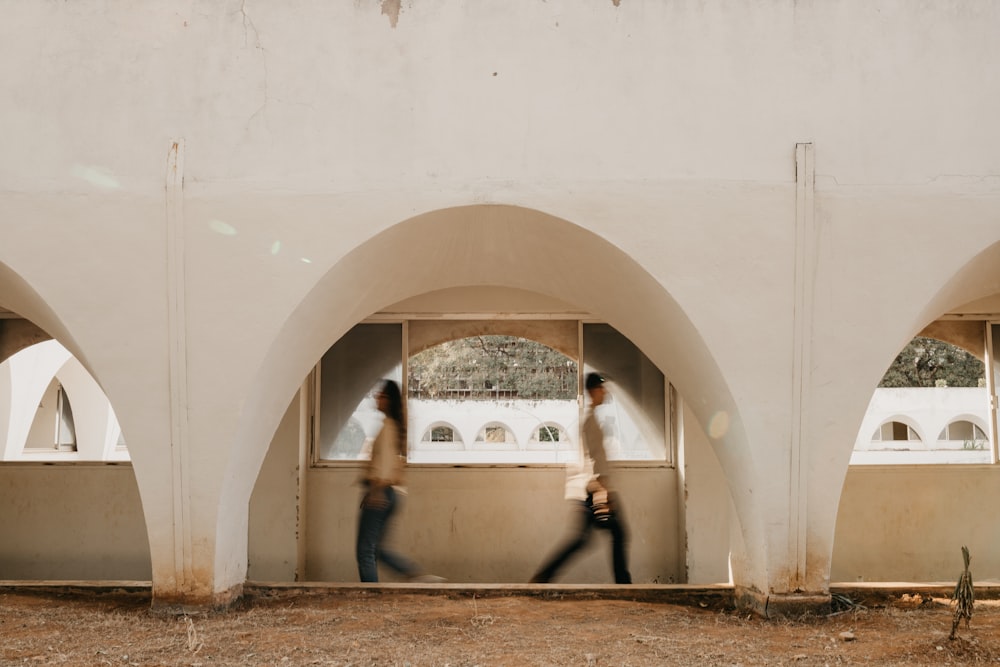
<point>431,250</point>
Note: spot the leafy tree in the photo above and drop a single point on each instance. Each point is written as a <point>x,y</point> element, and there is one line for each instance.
<point>928,362</point>
<point>491,367</point>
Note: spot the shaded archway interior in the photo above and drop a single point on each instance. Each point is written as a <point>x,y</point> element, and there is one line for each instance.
<point>461,248</point>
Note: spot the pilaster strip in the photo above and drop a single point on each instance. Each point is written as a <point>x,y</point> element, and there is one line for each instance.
<point>805,181</point>
<point>177,353</point>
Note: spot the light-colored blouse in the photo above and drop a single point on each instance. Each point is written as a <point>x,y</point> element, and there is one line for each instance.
<point>387,463</point>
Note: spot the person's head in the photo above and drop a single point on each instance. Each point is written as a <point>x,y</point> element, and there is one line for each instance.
<point>390,401</point>
<point>594,384</point>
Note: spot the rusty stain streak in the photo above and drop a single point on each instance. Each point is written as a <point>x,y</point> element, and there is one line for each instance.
<point>391,8</point>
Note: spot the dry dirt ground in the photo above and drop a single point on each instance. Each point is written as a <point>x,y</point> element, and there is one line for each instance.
<point>372,627</point>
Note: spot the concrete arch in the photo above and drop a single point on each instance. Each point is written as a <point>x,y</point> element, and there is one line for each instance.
<point>434,251</point>
<point>978,277</point>
<point>19,400</point>
<point>105,511</point>
<point>17,295</point>
<point>94,417</point>
<point>96,423</point>
<point>20,297</point>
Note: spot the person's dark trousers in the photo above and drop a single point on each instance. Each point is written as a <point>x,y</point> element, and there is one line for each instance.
<point>619,548</point>
<point>372,527</point>
<point>584,525</point>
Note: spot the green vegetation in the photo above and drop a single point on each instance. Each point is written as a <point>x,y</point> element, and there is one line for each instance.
<point>927,362</point>
<point>490,368</point>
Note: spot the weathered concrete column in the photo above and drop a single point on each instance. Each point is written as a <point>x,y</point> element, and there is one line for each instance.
<point>182,503</point>
<point>795,564</point>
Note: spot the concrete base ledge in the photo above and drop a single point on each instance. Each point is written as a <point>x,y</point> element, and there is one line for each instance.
<point>707,596</point>
<point>65,586</point>
<point>716,596</point>
<point>882,593</point>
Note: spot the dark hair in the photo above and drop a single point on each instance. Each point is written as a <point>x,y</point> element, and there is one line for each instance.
<point>593,380</point>
<point>394,411</point>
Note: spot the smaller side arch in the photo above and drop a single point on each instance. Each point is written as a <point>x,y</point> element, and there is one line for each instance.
<point>909,422</point>
<point>28,374</point>
<point>973,421</point>
<point>556,436</point>
<point>490,432</point>
<point>456,441</point>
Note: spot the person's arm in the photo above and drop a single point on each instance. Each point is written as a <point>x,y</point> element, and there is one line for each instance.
<point>593,437</point>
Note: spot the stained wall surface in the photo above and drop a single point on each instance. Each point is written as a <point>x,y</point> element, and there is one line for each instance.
<point>72,522</point>
<point>768,198</point>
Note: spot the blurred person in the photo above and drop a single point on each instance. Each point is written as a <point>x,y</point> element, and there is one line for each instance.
<point>595,503</point>
<point>383,481</point>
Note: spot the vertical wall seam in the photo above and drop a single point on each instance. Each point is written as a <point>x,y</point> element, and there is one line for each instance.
<point>177,356</point>
<point>676,440</point>
<point>307,433</point>
<point>805,180</point>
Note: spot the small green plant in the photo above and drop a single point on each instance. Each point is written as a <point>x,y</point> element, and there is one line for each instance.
<point>974,444</point>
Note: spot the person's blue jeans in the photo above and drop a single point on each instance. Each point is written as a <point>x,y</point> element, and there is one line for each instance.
<point>372,527</point>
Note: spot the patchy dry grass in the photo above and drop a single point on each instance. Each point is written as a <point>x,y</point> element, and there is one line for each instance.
<point>365,628</point>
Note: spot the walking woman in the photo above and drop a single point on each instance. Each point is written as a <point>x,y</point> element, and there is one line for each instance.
<point>383,487</point>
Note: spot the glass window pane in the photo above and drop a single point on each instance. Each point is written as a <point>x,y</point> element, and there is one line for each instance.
<point>492,393</point>
<point>350,373</point>
<point>961,430</point>
<point>900,431</point>
<point>634,419</point>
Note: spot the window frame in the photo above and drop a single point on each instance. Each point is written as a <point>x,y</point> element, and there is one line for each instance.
<point>314,385</point>
<point>911,458</point>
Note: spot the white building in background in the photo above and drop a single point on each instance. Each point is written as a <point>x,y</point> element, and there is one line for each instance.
<point>926,425</point>
<point>902,425</point>
<point>767,199</point>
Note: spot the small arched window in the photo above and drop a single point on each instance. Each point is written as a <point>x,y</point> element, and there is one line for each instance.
<point>894,431</point>
<point>495,436</point>
<point>439,434</point>
<point>964,431</point>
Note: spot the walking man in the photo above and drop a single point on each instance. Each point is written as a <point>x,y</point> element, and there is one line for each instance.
<point>596,505</point>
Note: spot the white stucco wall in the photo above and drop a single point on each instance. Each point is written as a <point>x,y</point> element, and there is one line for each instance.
<point>927,411</point>
<point>244,182</point>
<point>910,523</point>
<point>72,522</point>
<point>489,525</point>
<point>92,528</point>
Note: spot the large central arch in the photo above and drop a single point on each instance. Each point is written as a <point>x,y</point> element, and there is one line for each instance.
<point>491,245</point>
